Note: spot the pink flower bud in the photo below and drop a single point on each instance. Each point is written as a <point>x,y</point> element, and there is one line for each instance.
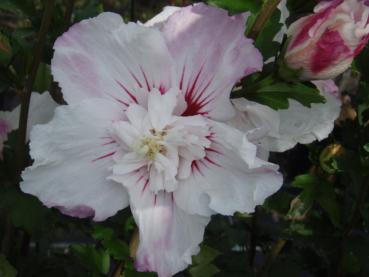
<point>324,44</point>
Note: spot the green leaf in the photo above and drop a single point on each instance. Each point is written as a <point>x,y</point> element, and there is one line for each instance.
<point>6,269</point>
<point>118,249</point>
<point>202,262</point>
<point>43,78</point>
<point>328,201</point>
<point>203,270</point>
<point>366,147</point>
<point>19,206</point>
<point>102,233</point>
<point>91,8</point>
<point>206,255</point>
<point>97,261</point>
<point>238,6</point>
<point>321,192</point>
<point>304,181</point>
<point>130,271</point>
<point>264,41</point>
<point>277,95</point>
<point>19,7</point>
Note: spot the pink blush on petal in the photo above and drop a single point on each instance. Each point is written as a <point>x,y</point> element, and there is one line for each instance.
<point>4,127</point>
<point>80,211</point>
<point>330,48</point>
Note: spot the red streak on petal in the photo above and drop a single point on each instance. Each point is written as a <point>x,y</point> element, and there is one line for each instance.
<point>110,142</point>
<point>213,150</point>
<point>172,197</point>
<point>182,77</point>
<point>139,179</point>
<point>212,162</point>
<point>190,92</point>
<point>146,80</point>
<point>122,102</point>
<point>203,90</point>
<point>128,92</point>
<point>197,101</point>
<point>136,79</point>
<point>145,186</point>
<point>195,167</point>
<point>118,100</point>
<point>162,89</point>
<point>105,156</point>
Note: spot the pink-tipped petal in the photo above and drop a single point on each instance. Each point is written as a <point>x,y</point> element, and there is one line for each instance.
<point>211,55</point>
<point>168,235</point>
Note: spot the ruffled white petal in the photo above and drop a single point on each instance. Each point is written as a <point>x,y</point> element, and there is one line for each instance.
<point>72,156</point>
<point>231,178</point>
<point>169,236</point>
<point>104,57</point>
<point>297,124</point>
<point>161,107</point>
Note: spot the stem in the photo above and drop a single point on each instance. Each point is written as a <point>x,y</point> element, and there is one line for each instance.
<point>276,249</point>
<point>253,88</point>
<point>133,11</point>
<point>360,200</point>
<point>263,17</point>
<point>68,15</point>
<point>133,245</point>
<point>117,270</point>
<point>54,89</point>
<point>26,97</point>
<point>7,237</point>
<point>253,239</point>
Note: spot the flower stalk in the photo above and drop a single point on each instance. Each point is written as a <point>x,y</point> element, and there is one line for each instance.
<point>26,96</point>
<point>266,12</point>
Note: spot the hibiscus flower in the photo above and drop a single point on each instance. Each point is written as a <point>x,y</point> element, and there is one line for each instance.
<point>146,127</point>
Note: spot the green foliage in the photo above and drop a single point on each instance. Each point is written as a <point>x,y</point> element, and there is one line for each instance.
<point>276,95</point>
<point>116,248</point>
<point>237,6</point>
<point>315,190</point>
<point>264,42</point>
<point>43,78</point>
<point>203,263</point>
<point>6,269</point>
<point>97,261</point>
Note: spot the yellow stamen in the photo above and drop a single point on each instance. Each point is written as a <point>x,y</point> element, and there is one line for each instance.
<point>151,146</point>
